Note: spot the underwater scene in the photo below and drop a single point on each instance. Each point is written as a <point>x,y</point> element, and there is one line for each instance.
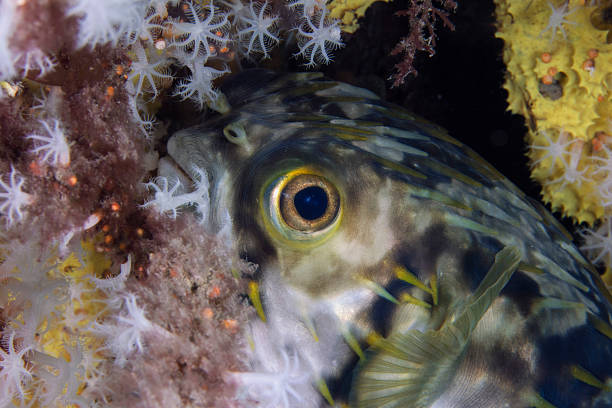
<point>306,203</point>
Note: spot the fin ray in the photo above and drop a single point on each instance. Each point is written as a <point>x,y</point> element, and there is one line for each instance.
<point>411,369</point>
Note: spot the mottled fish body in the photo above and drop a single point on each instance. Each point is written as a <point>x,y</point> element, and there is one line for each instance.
<point>397,268</point>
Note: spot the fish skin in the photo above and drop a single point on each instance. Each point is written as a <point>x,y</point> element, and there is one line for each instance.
<point>412,198</point>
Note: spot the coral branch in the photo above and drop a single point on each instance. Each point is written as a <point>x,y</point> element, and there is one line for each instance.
<point>423,16</point>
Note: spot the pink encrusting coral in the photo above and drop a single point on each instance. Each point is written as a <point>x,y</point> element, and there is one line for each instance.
<point>100,322</point>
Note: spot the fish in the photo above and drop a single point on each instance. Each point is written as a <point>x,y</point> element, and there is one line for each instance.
<point>394,266</point>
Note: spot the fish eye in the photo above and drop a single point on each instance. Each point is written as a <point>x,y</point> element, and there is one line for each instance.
<point>300,207</point>
<point>309,203</point>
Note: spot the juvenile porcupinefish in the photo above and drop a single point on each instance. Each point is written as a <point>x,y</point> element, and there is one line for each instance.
<point>396,268</point>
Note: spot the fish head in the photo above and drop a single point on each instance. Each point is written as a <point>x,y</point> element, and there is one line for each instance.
<point>302,199</point>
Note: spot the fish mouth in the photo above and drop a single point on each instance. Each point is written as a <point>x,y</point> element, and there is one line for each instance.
<point>189,159</point>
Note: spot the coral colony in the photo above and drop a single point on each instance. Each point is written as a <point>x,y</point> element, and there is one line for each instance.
<point>113,290</point>
<point>558,55</point>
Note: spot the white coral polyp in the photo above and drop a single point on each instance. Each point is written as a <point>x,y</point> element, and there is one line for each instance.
<point>54,144</point>
<point>13,198</point>
<point>197,38</point>
<point>104,21</point>
<point>317,37</point>
<point>258,31</point>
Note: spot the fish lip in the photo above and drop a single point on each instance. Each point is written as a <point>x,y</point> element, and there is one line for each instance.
<point>192,159</point>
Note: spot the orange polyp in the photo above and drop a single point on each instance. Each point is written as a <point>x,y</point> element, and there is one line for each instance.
<point>597,144</point>
<point>230,324</point>
<point>592,53</point>
<point>208,313</point>
<point>110,92</point>
<point>35,168</point>
<point>214,292</point>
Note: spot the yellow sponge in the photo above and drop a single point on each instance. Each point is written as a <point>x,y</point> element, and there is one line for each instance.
<point>349,11</point>
<point>559,75</point>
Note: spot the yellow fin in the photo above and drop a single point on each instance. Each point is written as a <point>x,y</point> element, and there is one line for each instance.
<point>407,276</point>
<point>466,223</point>
<point>412,369</point>
<point>256,300</point>
<point>506,262</point>
<point>310,326</point>
<point>379,290</point>
<point>524,267</point>
<point>408,298</point>
<point>600,325</point>
<point>374,338</point>
<point>537,401</point>
<point>433,282</point>
<point>581,374</point>
<point>407,370</point>
<point>352,342</point>
<point>554,303</point>
<point>324,390</point>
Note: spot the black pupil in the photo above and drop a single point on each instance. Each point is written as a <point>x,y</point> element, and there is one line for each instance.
<point>311,202</point>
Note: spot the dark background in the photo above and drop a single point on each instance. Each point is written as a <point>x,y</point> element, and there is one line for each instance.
<point>460,87</point>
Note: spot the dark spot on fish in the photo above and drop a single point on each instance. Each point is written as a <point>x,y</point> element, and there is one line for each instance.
<point>523,291</point>
<point>381,314</point>
<point>423,253</point>
<point>582,346</point>
<point>340,385</point>
<point>240,88</point>
<point>332,109</point>
<point>508,365</point>
<point>475,264</point>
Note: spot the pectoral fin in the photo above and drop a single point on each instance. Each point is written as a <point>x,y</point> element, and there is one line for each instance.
<point>506,263</point>
<point>412,369</point>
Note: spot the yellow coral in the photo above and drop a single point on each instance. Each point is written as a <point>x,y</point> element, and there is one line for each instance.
<point>90,304</point>
<point>63,328</point>
<point>349,11</point>
<point>559,78</point>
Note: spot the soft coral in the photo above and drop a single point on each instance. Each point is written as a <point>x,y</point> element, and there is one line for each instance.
<point>13,198</point>
<point>14,372</point>
<point>198,37</point>
<point>107,21</point>
<point>317,37</point>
